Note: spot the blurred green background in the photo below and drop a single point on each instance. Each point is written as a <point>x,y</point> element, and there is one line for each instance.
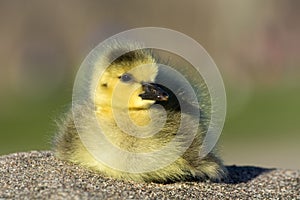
<point>255,44</point>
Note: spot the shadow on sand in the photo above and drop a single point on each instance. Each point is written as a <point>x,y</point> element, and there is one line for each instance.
<point>243,174</point>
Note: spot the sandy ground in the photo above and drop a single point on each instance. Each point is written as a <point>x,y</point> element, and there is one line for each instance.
<point>39,175</point>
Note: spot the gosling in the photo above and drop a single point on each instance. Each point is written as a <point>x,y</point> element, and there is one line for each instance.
<point>127,89</point>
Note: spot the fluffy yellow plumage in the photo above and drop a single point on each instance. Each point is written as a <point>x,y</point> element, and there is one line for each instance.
<point>127,89</point>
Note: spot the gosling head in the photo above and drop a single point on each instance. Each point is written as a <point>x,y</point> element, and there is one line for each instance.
<point>128,83</point>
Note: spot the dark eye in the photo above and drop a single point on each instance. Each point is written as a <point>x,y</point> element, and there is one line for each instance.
<point>126,77</point>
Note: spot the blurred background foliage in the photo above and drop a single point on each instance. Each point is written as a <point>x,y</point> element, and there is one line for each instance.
<point>255,44</point>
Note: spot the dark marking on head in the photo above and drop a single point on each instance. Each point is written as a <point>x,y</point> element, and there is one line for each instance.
<point>141,54</point>
<point>104,84</point>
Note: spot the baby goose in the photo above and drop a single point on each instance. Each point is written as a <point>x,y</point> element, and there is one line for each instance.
<point>127,92</point>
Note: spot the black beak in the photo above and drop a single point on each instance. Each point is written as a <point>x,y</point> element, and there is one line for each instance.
<point>153,92</point>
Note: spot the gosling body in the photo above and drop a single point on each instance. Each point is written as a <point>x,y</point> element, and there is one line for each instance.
<point>124,77</point>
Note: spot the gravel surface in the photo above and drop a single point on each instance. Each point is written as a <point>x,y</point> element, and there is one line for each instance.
<point>39,175</point>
